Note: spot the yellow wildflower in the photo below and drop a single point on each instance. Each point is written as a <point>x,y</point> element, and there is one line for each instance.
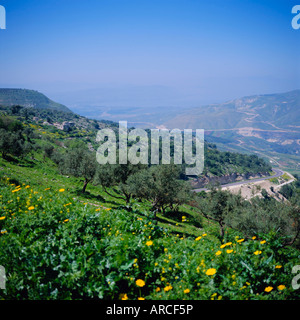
<point>211,271</point>
<point>263,241</point>
<point>268,289</point>
<point>61,190</point>
<point>157,289</point>
<point>229,251</point>
<point>141,298</point>
<point>140,282</point>
<point>123,296</point>
<point>168,288</point>
<point>186,291</point>
<point>225,245</point>
<point>254,237</point>
<point>257,252</point>
<point>197,239</point>
<point>218,252</point>
<point>240,240</point>
<point>213,296</point>
<point>31,208</point>
<point>2,218</point>
<point>278,267</point>
<point>281,287</point>
<point>149,243</point>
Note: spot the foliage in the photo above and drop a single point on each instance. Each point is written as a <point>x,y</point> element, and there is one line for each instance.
<point>217,206</point>
<point>54,247</point>
<point>117,175</point>
<point>223,162</point>
<point>292,191</point>
<point>260,216</point>
<point>14,138</point>
<point>161,186</point>
<point>79,162</point>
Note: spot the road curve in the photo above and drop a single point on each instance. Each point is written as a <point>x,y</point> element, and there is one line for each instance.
<point>277,174</point>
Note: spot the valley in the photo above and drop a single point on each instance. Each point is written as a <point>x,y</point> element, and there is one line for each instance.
<point>267,125</point>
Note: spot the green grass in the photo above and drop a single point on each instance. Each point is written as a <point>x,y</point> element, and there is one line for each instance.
<point>41,174</point>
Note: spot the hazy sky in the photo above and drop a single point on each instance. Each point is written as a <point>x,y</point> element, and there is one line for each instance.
<point>190,50</point>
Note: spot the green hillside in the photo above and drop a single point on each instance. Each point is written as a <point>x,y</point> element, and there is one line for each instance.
<point>29,98</point>
<point>60,241</point>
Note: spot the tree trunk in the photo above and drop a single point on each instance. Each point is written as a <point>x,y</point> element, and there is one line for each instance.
<point>110,194</point>
<point>127,196</point>
<point>221,224</point>
<point>86,181</point>
<point>294,238</point>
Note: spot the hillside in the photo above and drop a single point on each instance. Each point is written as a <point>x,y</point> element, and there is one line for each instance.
<point>269,111</point>
<point>267,125</point>
<point>73,126</point>
<point>94,244</point>
<point>29,98</point>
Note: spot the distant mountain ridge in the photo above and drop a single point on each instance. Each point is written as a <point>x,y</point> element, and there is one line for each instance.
<point>29,98</point>
<point>269,111</point>
<point>265,112</point>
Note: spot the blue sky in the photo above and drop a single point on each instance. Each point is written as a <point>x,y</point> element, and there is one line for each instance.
<point>184,52</point>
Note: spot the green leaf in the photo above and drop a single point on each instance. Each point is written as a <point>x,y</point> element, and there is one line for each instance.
<point>269,259</point>
<point>127,265</point>
<point>246,265</point>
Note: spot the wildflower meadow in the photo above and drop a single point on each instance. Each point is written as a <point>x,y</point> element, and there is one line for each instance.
<point>56,247</point>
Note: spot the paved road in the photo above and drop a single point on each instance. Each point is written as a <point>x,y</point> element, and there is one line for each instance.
<point>277,174</point>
